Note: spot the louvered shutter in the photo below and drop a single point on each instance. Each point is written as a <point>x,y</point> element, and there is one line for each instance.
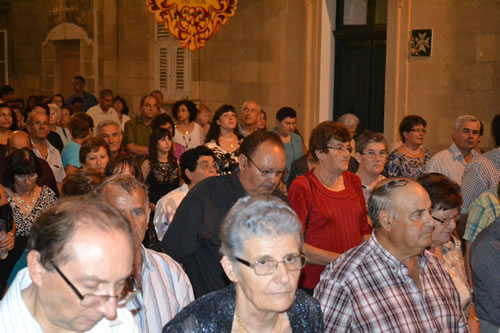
<point>172,66</point>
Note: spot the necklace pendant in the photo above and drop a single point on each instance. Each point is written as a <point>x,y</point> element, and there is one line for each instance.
<point>231,145</point>
<point>187,132</point>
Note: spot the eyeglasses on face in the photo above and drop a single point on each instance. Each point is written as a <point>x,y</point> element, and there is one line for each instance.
<point>207,166</point>
<point>267,266</point>
<point>341,149</point>
<point>127,293</point>
<point>447,220</point>
<point>268,173</point>
<point>372,154</point>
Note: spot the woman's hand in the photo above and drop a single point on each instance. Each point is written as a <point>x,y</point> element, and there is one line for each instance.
<point>7,244</point>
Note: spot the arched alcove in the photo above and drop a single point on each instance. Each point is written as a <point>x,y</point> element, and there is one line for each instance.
<point>67,51</point>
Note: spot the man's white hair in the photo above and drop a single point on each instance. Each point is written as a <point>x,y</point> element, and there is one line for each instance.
<point>348,119</point>
<point>461,119</point>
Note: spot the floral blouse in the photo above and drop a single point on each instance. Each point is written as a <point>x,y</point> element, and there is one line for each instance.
<point>454,263</point>
<point>401,165</point>
<point>224,160</point>
<point>23,223</point>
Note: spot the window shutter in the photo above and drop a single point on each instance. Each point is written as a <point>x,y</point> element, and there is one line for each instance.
<point>172,66</point>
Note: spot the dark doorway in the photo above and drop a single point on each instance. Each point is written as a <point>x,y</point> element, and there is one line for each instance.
<point>360,43</point>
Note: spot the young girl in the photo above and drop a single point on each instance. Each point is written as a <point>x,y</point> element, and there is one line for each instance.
<point>160,169</point>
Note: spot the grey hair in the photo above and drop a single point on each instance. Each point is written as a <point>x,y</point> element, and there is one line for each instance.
<point>382,198</point>
<point>29,120</point>
<point>463,118</point>
<point>105,123</point>
<point>55,107</point>
<point>348,119</point>
<point>125,182</point>
<point>246,102</point>
<point>262,217</point>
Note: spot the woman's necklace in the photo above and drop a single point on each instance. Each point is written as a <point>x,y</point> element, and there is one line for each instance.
<point>243,328</point>
<point>25,205</point>
<point>412,153</point>
<point>231,144</point>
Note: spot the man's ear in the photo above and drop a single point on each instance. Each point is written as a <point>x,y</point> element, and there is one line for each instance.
<point>386,219</point>
<point>243,162</point>
<point>35,267</point>
<point>189,174</point>
<point>229,269</point>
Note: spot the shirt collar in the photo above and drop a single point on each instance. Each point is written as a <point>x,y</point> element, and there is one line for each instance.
<point>391,260</point>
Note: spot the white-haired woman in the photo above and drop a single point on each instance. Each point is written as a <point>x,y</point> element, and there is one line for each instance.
<point>262,256</point>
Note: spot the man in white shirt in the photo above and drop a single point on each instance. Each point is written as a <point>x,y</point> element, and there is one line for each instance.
<point>104,110</point>
<point>38,128</point>
<point>79,262</point>
<point>451,162</point>
<point>196,164</point>
<point>164,287</point>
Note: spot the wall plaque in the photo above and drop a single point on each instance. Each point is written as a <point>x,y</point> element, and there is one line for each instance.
<point>192,21</point>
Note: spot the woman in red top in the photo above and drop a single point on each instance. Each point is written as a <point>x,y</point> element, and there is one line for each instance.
<point>329,201</point>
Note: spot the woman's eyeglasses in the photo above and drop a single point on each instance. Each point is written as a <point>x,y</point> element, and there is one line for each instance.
<point>267,266</point>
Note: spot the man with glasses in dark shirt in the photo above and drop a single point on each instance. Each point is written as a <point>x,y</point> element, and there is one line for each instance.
<point>193,236</point>
<point>78,275</point>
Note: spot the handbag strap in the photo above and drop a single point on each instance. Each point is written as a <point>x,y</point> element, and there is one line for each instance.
<point>310,209</point>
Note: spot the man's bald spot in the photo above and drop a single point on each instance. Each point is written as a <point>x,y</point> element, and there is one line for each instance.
<point>19,140</point>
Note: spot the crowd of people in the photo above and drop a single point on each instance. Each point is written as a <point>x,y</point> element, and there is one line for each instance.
<point>177,220</point>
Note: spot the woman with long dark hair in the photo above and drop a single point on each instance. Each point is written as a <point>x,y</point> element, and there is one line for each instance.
<point>160,169</point>
<point>223,139</point>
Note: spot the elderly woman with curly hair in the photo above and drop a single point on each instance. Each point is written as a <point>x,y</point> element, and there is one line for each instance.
<point>262,257</point>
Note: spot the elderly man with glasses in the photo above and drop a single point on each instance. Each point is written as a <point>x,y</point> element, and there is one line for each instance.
<point>192,238</point>
<point>391,283</point>
<point>78,275</point>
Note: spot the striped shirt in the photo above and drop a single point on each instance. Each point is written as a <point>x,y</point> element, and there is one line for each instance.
<point>480,175</point>
<point>15,316</point>
<point>482,213</point>
<point>165,291</point>
<point>369,290</point>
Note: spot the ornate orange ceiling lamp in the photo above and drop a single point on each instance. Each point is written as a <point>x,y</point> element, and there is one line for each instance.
<point>192,21</point>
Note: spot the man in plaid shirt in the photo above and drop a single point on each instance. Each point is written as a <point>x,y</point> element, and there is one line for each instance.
<point>390,283</point>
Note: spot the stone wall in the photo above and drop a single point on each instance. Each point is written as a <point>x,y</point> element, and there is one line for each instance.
<point>461,77</point>
<point>259,55</point>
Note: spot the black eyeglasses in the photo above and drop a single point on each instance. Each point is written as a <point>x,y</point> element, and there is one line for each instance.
<point>128,292</point>
<point>267,266</point>
<point>268,173</point>
<point>447,220</point>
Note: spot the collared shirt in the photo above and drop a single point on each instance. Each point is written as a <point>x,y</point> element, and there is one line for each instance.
<point>165,291</point>
<point>485,262</point>
<point>369,290</point>
<point>243,132</point>
<point>480,175</point>
<point>98,115</point>
<point>449,162</point>
<point>482,213</point>
<point>166,207</point>
<point>54,160</point>
<point>16,317</point>
<point>137,132</point>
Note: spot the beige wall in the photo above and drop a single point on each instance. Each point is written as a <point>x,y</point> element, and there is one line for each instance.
<point>259,55</point>
<point>461,77</point>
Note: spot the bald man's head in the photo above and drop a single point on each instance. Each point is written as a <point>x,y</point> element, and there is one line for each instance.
<point>19,140</point>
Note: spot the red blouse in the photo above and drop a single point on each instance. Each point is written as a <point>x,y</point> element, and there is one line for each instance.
<point>337,222</point>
